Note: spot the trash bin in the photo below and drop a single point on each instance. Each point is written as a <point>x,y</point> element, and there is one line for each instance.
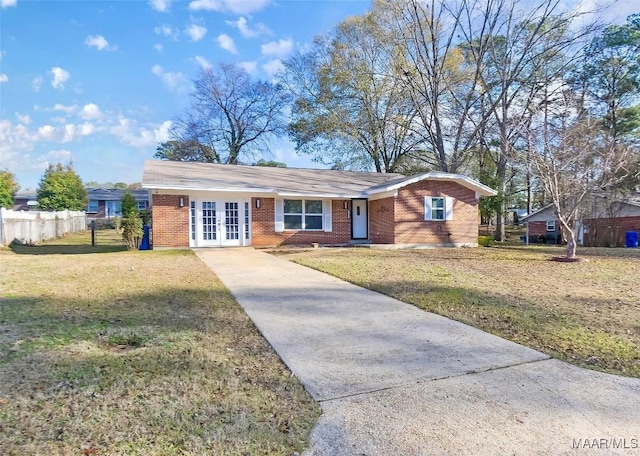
<point>631,239</point>
<point>144,245</point>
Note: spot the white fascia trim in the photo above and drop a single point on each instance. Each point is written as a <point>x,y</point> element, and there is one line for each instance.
<point>480,189</point>
<point>322,195</point>
<point>209,189</point>
<point>398,185</point>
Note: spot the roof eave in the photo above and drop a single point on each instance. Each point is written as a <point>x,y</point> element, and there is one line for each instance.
<point>480,189</point>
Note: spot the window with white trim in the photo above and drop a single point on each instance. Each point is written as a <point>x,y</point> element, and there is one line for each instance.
<point>551,225</point>
<point>438,208</point>
<point>303,215</point>
<point>92,207</point>
<point>142,205</point>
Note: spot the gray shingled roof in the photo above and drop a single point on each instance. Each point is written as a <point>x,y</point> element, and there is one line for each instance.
<point>294,181</point>
<point>172,175</point>
<point>114,194</point>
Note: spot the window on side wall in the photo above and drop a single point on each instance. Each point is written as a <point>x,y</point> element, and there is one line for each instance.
<point>303,215</point>
<point>438,208</point>
<point>142,205</point>
<point>551,225</point>
<point>92,207</point>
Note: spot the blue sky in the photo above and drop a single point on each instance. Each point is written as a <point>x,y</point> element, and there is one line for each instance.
<point>99,82</point>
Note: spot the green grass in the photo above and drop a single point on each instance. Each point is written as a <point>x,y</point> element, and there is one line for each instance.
<point>108,351</point>
<point>585,313</point>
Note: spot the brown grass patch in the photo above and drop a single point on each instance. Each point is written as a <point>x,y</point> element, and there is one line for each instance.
<point>136,353</point>
<point>587,313</point>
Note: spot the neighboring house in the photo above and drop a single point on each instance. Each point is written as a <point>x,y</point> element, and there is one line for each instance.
<point>104,203</point>
<point>25,201</point>
<point>203,205</point>
<point>543,225</point>
<point>606,225</point>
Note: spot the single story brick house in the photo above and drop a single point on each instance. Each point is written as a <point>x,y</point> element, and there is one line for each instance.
<point>207,205</point>
<point>605,226</point>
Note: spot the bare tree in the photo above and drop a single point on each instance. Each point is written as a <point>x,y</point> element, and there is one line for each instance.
<point>574,159</point>
<point>231,116</point>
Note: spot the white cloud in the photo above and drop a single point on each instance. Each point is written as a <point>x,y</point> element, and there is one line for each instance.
<point>46,133</point>
<point>249,32</point>
<point>226,43</point>
<point>66,109</point>
<point>129,133</point>
<point>60,76</point>
<point>232,6</point>
<point>159,47</point>
<point>272,67</point>
<point>90,111</point>
<point>3,78</point>
<point>99,42</point>
<point>37,83</point>
<point>196,32</point>
<point>72,131</point>
<point>161,6</point>
<point>7,3</point>
<point>23,118</point>
<point>166,31</point>
<point>277,48</point>
<point>175,82</point>
<point>249,66</point>
<point>204,63</point>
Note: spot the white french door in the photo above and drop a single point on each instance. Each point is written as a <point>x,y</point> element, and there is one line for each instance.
<point>219,223</point>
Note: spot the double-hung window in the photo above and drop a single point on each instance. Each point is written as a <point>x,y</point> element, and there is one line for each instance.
<point>302,214</point>
<point>142,205</point>
<point>438,208</point>
<point>551,225</point>
<point>92,207</point>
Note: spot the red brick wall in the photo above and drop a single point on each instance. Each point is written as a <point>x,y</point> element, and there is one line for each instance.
<point>411,228</point>
<point>610,232</point>
<point>263,227</point>
<point>381,221</point>
<point>540,228</point>
<point>170,222</point>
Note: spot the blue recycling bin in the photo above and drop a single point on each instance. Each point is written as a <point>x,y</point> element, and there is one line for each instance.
<point>631,239</point>
<point>144,245</point>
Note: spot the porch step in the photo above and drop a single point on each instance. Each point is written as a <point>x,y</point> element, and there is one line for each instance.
<point>360,242</point>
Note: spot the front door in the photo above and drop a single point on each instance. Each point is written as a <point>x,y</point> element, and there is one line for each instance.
<point>218,223</point>
<point>359,219</point>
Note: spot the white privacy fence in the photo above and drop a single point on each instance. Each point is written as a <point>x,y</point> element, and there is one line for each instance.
<point>36,226</point>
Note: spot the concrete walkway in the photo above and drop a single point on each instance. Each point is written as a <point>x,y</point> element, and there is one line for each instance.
<point>394,380</point>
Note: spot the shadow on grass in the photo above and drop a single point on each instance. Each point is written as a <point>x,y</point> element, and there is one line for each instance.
<point>184,366</point>
<point>64,249</point>
<point>590,252</point>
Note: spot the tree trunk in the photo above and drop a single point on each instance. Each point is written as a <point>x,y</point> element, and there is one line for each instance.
<point>571,243</point>
<point>500,219</point>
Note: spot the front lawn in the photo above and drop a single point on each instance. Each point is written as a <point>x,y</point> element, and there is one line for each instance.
<point>110,352</point>
<point>585,313</point>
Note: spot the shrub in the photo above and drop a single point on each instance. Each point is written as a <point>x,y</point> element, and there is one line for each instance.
<point>486,241</point>
<point>131,231</point>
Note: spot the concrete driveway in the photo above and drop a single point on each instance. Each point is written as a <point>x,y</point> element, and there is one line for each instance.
<point>394,380</point>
